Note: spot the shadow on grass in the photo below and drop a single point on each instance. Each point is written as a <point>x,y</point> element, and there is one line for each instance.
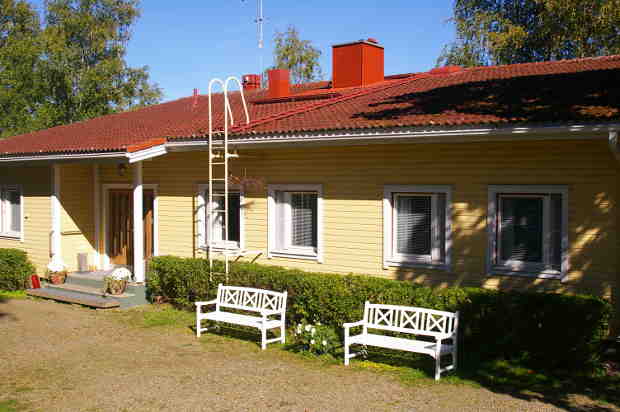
<point>511,378</point>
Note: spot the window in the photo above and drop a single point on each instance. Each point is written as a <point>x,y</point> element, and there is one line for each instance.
<point>528,230</point>
<point>10,211</point>
<point>217,225</point>
<point>294,221</point>
<point>417,225</point>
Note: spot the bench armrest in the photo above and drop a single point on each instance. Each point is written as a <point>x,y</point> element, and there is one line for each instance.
<point>353,324</point>
<point>201,304</point>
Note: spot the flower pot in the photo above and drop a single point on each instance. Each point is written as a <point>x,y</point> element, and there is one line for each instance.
<point>115,286</point>
<point>57,278</point>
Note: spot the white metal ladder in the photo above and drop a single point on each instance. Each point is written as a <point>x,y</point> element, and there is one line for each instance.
<point>220,158</point>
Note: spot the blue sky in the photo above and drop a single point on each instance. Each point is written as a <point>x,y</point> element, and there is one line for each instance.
<point>185,43</point>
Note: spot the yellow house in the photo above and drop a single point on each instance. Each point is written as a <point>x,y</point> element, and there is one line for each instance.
<point>501,177</point>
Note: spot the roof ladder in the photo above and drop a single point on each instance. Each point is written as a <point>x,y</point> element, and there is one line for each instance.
<point>221,159</point>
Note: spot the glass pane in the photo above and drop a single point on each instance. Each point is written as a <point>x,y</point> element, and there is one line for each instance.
<point>304,219</point>
<point>234,226</point>
<point>15,211</point>
<point>521,229</point>
<point>413,231</point>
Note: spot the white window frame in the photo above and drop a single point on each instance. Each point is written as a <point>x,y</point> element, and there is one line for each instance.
<point>5,221</point>
<point>390,256</point>
<point>290,251</point>
<point>203,235</point>
<point>528,269</point>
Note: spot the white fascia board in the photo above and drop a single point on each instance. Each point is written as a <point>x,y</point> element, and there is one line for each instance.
<point>56,157</point>
<point>139,156</point>
<point>146,154</point>
<point>417,136</point>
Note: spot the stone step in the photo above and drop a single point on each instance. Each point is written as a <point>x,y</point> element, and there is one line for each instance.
<point>71,296</point>
<point>96,291</point>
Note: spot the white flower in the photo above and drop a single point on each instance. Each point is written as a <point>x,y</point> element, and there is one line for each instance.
<point>313,331</point>
<point>298,328</point>
<point>308,327</point>
<point>318,323</point>
<point>324,343</point>
<point>312,342</point>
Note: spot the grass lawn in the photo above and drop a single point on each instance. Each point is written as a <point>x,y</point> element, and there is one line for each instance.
<point>411,369</point>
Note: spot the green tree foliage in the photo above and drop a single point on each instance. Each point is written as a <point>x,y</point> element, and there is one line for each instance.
<point>75,67</point>
<point>300,57</point>
<point>518,31</point>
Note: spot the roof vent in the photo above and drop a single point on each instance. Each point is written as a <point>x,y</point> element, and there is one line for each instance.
<point>251,81</point>
<point>279,83</point>
<point>357,64</point>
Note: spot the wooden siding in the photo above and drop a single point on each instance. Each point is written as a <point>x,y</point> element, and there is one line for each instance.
<point>36,189</point>
<point>77,213</point>
<point>353,179</point>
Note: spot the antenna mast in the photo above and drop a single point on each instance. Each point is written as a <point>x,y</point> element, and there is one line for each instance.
<point>260,20</point>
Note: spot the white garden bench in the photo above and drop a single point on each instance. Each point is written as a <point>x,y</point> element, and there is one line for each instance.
<point>417,321</point>
<point>266,303</point>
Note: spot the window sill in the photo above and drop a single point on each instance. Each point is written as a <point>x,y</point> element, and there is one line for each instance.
<point>293,255</point>
<point>528,273</point>
<point>415,264</point>
<point>4,236</point>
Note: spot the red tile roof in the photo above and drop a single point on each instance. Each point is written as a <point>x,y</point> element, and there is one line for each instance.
<point>568,91</point>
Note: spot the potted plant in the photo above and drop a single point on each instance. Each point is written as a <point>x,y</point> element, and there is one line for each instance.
<point>56,273</point>
<point>116,282</point>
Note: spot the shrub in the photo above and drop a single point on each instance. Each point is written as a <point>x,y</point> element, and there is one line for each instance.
<point>15,269</point>
<point>541,329</point>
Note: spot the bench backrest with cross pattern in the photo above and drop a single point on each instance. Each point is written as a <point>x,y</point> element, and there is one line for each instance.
<point>409,319</point>
<point>250,299</point>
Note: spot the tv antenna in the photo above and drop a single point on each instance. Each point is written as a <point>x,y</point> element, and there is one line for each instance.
<point>260,21</point>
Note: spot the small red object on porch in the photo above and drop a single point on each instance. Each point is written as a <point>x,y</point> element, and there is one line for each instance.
<point>36,282</point>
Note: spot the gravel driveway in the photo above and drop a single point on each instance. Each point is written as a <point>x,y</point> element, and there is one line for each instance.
<point>57,357</point>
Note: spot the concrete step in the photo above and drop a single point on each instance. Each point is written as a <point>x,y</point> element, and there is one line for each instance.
<point>95,291</point>
<point>71,296</point>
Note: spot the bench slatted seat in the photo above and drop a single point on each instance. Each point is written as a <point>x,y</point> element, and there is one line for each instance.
<point>271,307</point>
<point>439,325</point>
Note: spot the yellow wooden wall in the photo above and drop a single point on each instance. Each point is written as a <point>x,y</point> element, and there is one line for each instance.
<point>77,213</point>
<point>36,189</point>
<point>353,178</point>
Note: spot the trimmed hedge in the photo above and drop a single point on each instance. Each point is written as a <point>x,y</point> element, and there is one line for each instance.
<point>540,329</point>
<point>15,269</point>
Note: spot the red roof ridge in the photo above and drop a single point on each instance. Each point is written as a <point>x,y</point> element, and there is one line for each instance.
<point>544,63</point>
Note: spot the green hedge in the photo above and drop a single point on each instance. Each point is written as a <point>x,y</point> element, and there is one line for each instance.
<point>541,329</point>
<point>15,269</point>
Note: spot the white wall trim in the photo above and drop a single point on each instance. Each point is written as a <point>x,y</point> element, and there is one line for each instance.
<point>272,224</point>
<point>56,249</point>
<point>201,203</point>
<point>146,154</point>
<point>97,213</point>
<point>492,267</point>
<point>388,215</point>
<point>106,187</point>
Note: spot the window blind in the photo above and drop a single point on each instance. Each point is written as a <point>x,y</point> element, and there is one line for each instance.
<point>521,229</point>
<point>303,219</point>
<point>413,225</point>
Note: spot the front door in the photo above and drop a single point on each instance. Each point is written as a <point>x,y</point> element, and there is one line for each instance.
<point>120,226</point>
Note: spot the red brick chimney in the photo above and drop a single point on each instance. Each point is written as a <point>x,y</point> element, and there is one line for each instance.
<point>279,83</point>
<point>357,64</point>
<point>251,81</point>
